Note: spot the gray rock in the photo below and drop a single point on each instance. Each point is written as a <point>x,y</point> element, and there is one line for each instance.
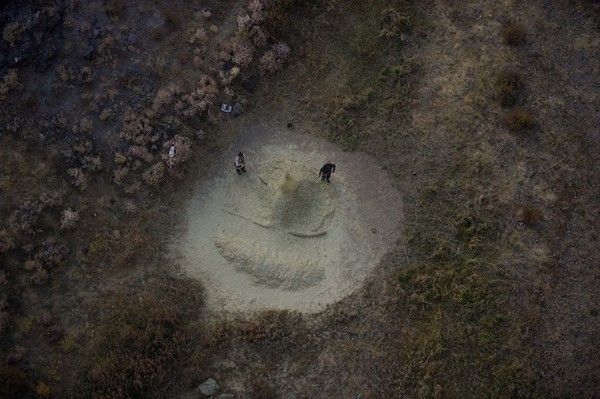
<point>226,396</point>
<point>208,387</point>
<point>237,109</point>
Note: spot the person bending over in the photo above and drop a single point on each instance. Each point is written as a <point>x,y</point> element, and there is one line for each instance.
<point>326,171</point>
<point>240,164</point>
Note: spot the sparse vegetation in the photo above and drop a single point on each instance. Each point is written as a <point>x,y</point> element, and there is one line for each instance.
<point>138,344</point>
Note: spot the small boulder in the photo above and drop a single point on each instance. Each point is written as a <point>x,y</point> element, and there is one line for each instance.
<point>208,387</point>
<point>237,109</point>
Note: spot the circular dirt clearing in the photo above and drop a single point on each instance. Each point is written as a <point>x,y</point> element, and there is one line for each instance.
<point>277,237</point>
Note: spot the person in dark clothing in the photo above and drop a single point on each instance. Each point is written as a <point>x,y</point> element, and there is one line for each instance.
<point>240,163</point>
<point>326,171</point>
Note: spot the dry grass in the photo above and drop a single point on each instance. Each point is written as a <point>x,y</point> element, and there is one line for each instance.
<point>141,341</point>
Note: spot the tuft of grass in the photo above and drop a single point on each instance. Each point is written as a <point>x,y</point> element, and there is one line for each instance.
<point>519,119</point>
<point>508,87</point>
<point>514,34</point>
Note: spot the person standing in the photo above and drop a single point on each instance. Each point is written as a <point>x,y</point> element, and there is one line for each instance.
<point>240,163</point>
<point>326,171</point>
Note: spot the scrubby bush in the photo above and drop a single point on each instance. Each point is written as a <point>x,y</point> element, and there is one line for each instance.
<point>9,82</point>
<point>242,53</point>
<point>47,256</point>
<point>197,102</point>
<point>508,88</point>
<point>137,128</point>
<point>65,74</point>
<point>183,150</point>
<point>154,174</point>
<point>227,77</point>
<point>394,23</point>
<point>141,152</point>
<point>85,74</point>
<point>6,241</point>
<point>12,32</point>
<point>23,220</point>
<point>114,8</point>
<point>52,198</point>
<point>78,176</point>
<point>83,126</point>
<point>106,114</point>
<point>165,97</point>
<point>91,163</point>
<point>68,219</point>
<point>198,36</point>
<point>106,49</point>
<point>514,34</point>
<point>119,174</point>
<point>520,118</point>
<point>273,59</point>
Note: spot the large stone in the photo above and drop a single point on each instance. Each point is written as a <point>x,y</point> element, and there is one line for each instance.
<point>208,387</point>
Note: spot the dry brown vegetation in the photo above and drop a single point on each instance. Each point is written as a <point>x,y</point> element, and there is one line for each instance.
<point>493,290</point>
<point>140,342</point>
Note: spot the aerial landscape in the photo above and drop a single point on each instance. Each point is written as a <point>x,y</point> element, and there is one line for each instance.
<point>299,199</point>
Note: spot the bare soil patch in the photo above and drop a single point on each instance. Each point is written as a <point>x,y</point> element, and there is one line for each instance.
<point>277,237</point>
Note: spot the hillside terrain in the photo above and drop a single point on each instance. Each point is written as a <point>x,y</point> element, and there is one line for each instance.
<point>482,115</point>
